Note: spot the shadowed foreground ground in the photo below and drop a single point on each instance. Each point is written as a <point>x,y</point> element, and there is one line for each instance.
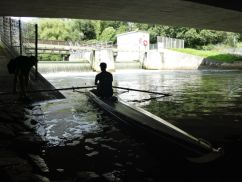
<point>19,142</point>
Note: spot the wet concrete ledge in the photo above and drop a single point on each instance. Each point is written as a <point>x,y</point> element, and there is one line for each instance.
<point>20,122</point>
<point>219,65</point>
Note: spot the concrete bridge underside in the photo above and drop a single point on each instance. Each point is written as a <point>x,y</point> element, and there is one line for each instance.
<point>223,15</point>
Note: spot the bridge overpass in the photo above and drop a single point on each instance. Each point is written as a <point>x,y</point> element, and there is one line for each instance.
<point>217,14</point>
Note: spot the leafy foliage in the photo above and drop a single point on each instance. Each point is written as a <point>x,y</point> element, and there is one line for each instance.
<point>213,55</point>
<point>50,57</point>
<point>97,30</point>
<point>108,34</point>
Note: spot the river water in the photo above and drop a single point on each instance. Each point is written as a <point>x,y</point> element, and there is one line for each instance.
<point>81,137</point>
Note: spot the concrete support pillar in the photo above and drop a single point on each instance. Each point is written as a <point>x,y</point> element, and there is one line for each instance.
<point>106,56</point>
<point>153,60</point>
<point>92,59</point>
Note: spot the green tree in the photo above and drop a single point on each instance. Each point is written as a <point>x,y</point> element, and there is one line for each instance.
<point>192,37</point>
<point>232,39</point>
<point>97,30</point>
<point>52,29</point>
<point>122,29</point>
<point>108,34</point>
<point>85,28</point>
<point>154,31</point>
<point>141,26</point>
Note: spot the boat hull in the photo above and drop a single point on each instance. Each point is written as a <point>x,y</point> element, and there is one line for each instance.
<point>197,150</point>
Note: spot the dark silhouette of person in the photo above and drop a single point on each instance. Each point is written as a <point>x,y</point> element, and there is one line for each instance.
<point>20,67</point>
<point>104,81</point>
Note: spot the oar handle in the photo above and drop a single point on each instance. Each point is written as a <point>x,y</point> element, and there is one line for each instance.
<point>146,91</point>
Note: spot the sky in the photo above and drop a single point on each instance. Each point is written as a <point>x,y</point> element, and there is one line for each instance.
<point>24,19</point>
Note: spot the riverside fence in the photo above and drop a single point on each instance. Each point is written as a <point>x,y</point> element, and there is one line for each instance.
<point>18,36</point>
<point>167,43</point>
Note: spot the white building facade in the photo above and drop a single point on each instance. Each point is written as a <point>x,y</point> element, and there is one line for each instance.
<point>132,46</point>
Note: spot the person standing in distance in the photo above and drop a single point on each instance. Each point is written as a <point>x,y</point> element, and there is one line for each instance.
<point>104,81</point>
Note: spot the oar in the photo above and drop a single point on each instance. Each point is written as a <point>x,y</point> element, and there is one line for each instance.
<point>147,91</point>
<point>49,90</point>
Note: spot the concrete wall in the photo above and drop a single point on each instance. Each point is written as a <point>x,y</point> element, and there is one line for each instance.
<point>124,56</point>
<point>132,45</point>
<point>105,55</point>
<point>177,60</point>
<point>153,60</point>
<point>212,64</point>
<point>80,56</point>
<point>170,60</point>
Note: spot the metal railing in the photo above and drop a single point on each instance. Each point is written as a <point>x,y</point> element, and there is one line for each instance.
<point>18,37</point>
<point>167,42</point>
<point>97,45</point>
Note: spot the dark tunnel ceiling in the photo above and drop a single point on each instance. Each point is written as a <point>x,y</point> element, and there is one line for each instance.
<point>226,4</point>
<point>222,15</point>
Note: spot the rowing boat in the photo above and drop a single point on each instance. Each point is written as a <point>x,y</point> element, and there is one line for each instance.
<point>198,150</point>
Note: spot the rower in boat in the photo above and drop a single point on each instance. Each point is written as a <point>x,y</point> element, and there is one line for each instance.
<point>104,81</point>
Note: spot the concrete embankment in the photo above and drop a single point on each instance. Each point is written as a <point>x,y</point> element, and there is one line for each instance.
<point>20,122</point>
<point>173,60</point>
<point>163,59</point>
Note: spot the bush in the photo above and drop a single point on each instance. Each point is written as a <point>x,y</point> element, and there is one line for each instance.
<point>50,57</point>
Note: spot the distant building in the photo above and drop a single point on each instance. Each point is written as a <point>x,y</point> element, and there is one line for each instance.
<point>132,45</point>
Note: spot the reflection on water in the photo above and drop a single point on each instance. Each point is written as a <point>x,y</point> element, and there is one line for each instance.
<point>69,119</point>
<point>200,99</point>
<point>207,104</point>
